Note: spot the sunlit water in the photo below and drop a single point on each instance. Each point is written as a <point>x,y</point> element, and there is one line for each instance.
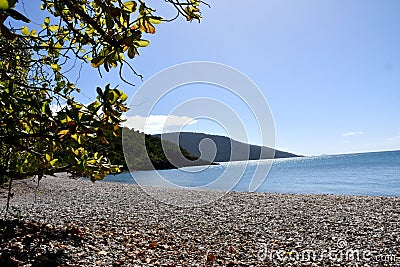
<point>369,174</point>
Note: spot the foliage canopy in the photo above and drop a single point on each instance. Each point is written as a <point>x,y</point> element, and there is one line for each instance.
<point>39,115</point>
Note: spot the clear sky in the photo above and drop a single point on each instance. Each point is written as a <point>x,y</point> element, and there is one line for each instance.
<point>330,70</point>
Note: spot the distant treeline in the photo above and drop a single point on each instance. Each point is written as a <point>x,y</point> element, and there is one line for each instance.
<point>146,152</point>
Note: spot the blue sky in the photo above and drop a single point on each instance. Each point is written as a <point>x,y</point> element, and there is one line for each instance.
<point>330,70</point>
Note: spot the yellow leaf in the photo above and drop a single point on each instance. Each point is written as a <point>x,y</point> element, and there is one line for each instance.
<point>58,46</point>
<point>141,43</point>
<point>7,4</point>
<point>130,6</point>
<point>156,20</point>
<point>123,97</point>
<point>146,26</point>
<point>63,133</point>
<point>77,105</point>
<point>33,33</point>
<point>48,157</point>
<point>55,66</point>
<point>66,120</point>
<point>4,5</point>
<point>76,138</point>
<point>53,28</point>
<point>47,20</point>
<point>25,30</point>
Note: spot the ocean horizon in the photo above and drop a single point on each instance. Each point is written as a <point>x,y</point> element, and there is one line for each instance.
<point>363,174</point>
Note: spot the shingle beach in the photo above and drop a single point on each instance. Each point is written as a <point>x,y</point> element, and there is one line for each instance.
<point>78,223</point>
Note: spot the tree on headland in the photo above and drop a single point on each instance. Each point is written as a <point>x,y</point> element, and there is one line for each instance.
<point>40,118</point>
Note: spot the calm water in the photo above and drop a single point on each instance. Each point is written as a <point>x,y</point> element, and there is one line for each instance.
<point>376,174</point>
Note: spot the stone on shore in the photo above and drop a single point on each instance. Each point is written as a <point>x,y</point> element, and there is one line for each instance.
<point>78,223</point>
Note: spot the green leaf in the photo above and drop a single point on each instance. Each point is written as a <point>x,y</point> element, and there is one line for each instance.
<point>94,107</point>
<point>97,61</point>
<point>106,66</point>
<point>26,95</point>
<point>130,6</point>
<point>45,107</point>
<point>77,106</point>
<point>131,52</point>
<point>109,22</point>
<point>112,96</point>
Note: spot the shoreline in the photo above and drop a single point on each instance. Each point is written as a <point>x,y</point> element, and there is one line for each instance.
<point>119,224</point>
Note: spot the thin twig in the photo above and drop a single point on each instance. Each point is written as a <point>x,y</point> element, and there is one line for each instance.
<point>8,197</point>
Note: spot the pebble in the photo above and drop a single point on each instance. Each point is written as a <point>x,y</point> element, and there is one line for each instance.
<point>112,224</point>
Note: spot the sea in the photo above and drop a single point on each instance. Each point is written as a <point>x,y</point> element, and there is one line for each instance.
<point>363,174</point>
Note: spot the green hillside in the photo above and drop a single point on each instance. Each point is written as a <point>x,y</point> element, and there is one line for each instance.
<point>226,148</point>
<point>146,152</point>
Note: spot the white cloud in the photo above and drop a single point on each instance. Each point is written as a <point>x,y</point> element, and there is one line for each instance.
<point>352,133</point>
<point>156,124</point>
<point>54,107</point>
<point>394,138</point>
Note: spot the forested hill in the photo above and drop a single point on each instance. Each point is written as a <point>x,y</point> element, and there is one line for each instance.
<point>226,149</point>
<point>149,154</point>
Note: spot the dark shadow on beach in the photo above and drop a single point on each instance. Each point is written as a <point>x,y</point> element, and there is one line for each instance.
<point>35,243</point>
